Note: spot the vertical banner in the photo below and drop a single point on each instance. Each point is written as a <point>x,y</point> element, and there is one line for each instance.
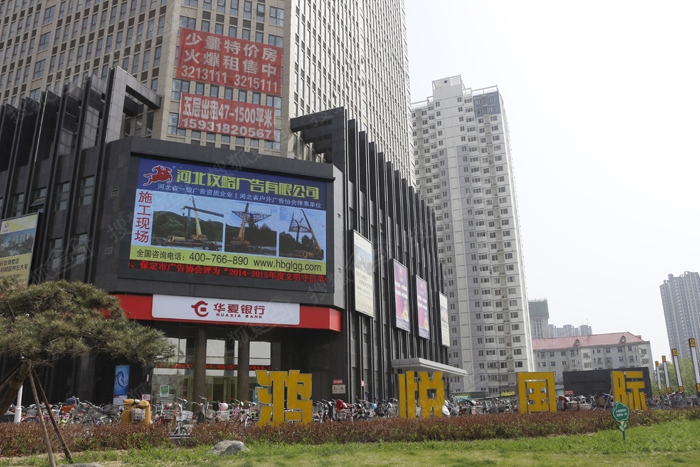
<point>668,382</point>
<point>403,307</point>
<point>696,367</point>
<point>444,321</point>
<point>121,383</point>
<point>422,307</point>
<point>364,275</point>
<point>677,366</point>
<point>17,246</point>
<point>658,378</point>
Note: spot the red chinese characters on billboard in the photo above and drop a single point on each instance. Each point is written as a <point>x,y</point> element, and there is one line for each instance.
<point>227,117</point>
<point>227,61</point>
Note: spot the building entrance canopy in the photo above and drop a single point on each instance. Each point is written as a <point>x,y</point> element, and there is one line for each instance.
<point>422,364</point>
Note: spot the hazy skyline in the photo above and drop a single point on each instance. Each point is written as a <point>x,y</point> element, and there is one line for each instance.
<point>601,101</point>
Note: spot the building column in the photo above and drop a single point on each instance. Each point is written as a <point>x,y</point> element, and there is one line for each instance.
<point>243,367</point>
<point>200,367</point>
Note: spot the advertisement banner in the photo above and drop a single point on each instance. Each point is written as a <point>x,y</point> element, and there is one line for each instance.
<point>403,307</point>
<point>444,321</point>
<point>364,275</point>
<point>422,306</point>
<point>223,310</point>
<point>226,117</point>
<point>227,61</point>
<point>17,246</point>
<point>121,383</point>
<point>191,219</point>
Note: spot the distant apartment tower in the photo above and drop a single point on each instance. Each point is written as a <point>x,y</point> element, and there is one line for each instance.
<point>594,352</point>
<point>539,318</point>
<point>351,54</point>
<point>464,172</point>
<point>569,330</point>
<point>680,297</point>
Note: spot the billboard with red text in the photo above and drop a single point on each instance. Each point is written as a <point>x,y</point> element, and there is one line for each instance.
<point>226,117</point>
<point>227,61</point>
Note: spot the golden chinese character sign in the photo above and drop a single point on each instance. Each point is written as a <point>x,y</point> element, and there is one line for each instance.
<point>536,392</point>
<point>629,389</point>
<point>431,394</point>
<point>299,407</point>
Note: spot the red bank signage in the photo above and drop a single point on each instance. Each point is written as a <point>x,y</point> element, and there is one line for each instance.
<point>227,61</point>
<point>227,117</point>
<point>228,311</point>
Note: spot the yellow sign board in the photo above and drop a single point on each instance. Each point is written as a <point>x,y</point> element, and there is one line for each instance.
<point>431,394</point>
<point>536,392</point>
<point>629,389</point>
<point>299,407</point>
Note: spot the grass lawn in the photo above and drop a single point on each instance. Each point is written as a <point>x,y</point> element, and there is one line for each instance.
<point>674,443</point>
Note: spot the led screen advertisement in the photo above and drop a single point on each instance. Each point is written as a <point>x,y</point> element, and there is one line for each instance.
<point>403,307</point>
<point>16,247</point>
<point>422,306</point>
<point>444,321</point>
<point>364,275</point>
<point>208,221</point>
<point>227,61</point>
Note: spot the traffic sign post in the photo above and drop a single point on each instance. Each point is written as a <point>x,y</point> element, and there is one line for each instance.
<point>621,413</point>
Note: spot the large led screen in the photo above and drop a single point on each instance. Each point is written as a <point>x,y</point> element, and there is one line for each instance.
<point>403,307</point>
<point>364,275</point>
<point>422,306</point>
<point>209,221</point>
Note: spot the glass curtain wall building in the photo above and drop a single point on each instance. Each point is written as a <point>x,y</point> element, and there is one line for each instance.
<point>350,54</point>
<point>680,296</point>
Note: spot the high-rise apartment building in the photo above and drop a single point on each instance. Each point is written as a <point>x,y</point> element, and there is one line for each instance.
<point>350,54</point>
<point>539,318</point>
<point>464,172</point>
<point>680,297</point>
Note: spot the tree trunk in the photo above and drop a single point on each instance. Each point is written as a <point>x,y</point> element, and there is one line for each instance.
<point>14,383</point>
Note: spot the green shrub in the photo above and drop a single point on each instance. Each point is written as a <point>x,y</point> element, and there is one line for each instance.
<point>26,438</point>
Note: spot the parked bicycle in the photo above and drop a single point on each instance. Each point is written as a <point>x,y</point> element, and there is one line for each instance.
<point>180,420</point>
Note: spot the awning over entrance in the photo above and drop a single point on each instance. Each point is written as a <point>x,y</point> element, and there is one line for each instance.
<point>422,364</point>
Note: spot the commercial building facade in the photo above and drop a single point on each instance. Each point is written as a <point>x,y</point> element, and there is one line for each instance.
<point>680,297</point>
<point>465,173</point>
<point>351,54</point>
<point>156,70</point>
<point>245,261</point>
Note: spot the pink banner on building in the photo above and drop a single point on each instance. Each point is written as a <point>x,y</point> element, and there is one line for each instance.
<point>234,118</point>
<point>227,61</point>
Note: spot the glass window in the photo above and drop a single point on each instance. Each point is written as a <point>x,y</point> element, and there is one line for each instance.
<point>62,195</point>
<point>87,190</point>
<point>79,250</point>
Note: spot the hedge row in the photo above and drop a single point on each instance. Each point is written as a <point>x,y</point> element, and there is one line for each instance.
<point>26,438</point>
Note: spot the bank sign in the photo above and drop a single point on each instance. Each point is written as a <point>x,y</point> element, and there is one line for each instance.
<point>197,221</point>
<point>225,311</point>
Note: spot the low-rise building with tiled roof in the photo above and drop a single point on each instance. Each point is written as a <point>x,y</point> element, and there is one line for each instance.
<point>595,352</point>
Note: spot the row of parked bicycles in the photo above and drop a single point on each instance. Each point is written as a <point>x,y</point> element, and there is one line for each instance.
<point>71,412</point>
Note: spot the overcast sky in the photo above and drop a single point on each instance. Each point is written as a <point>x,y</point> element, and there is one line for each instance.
<point>602,102</point>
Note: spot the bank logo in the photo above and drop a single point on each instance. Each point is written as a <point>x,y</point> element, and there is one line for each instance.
<point>160,174</point>
<point>200,308</point>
